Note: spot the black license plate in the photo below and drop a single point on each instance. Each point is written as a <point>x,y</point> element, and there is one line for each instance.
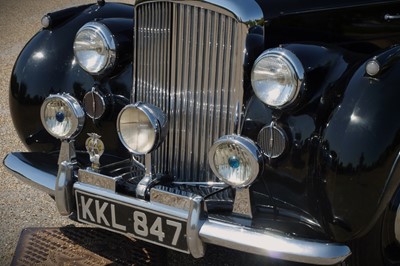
<point>144,224</point>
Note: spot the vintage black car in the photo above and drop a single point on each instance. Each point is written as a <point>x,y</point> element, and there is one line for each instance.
<point>270,127</point>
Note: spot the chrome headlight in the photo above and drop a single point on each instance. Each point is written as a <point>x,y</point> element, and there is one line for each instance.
<point>277,77</point>
<point>62,116</point>
<point>235,160</point>
<point>94,48</point>
<point>141,127</point>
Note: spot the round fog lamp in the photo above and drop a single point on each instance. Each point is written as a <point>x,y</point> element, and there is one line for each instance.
<point>62,116</point>
<point>141,127</point>
<point>235,160</point>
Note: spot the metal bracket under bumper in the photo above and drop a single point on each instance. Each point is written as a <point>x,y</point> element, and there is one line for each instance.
<point>246,239</point>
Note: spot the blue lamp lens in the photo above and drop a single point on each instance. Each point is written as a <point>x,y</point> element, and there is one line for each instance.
<point>234,162</point>
<point>60,116</point>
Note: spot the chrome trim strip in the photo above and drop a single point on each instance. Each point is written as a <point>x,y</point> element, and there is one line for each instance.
<point>30,174</point>
<point>210,231</point>
<point>260,242</point>
<point>96,179</point>
<point>247,11</point>
<point>67,151</point>
<point>158,196</point>
<point>63,189</point>
<point>272,245</point>
<point>193,226</point>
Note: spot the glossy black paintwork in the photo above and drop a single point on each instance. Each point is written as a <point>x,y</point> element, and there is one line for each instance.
<point>359,148</point>
<point>290,180</point>
<point>47,65</point>
<point>298,179</point>
<point>331,165</point>
<point>278,8</point>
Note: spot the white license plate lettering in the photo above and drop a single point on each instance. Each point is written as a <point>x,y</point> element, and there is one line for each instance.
<point>144,224</point>
<point>178,229</point>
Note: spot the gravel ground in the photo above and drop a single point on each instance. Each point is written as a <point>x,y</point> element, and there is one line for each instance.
<point>20,205</point>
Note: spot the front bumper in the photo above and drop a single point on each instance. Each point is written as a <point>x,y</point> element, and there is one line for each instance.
<point>201,229</point>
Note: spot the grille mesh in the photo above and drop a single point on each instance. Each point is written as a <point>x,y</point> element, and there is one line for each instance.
<point>189,63</point>
<point>272,140</point>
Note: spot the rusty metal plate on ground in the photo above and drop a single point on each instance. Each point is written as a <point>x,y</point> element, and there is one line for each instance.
<point>96,247</point>
<point>82,246</point>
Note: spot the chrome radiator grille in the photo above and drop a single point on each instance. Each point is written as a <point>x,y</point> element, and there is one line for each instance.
<point>189,63</point>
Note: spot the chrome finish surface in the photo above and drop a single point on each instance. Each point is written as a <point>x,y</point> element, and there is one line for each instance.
<point>67,151</point>
<point>98,180</point>
<point>170,199</point>
<point>295,65</point>
<point>190,65</point>
<point>94,104</point>
<point>30,174</point>
<point>63,189</point>
<point>79,115</point>
<point>194,223</point>
<point>252,151</point>
<point>142,186</point>
<point>272,140</point>
<point>156,117</point>
<point>242,204</point>
<point>272,244</point>
<point>397,224</point>
<point>95,148</point>
<point>109,43</point>
<point>392,17</point>
<point>203,230</point>
<point>246,12</point>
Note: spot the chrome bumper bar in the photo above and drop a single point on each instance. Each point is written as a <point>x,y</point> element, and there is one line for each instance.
<point>242,238</point>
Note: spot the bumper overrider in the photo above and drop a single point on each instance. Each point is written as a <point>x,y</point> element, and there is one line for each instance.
<point>167,219</point>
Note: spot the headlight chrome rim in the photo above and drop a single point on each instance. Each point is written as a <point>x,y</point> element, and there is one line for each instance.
<point>247,146</point>
<point>77,119</point>
<point>156,117</point>
<point>109,44</point>
<point>292,63</point>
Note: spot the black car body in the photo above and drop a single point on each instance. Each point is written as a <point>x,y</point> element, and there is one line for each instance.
<point>270,127</point>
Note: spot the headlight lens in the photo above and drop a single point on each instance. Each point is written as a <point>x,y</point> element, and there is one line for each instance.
<point>235,160</point>
<point>277,77</point>
<point>141,127</point>
<point>62,116</point>
<point>94,48</point>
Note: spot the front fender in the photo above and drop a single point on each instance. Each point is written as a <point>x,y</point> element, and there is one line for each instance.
<point>47,65</point>
<point>360,146</point>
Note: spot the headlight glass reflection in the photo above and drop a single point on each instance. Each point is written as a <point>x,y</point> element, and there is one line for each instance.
<point>235,160</point>
<point>142,127</point>
<point>62,116</point>
<point>276,77</point>
<point>94,48</point>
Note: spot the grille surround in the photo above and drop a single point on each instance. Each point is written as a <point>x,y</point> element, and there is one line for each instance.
<point>189,62</point>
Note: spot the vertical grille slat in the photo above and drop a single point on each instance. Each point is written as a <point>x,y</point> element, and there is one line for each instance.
<point>185,65</point>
